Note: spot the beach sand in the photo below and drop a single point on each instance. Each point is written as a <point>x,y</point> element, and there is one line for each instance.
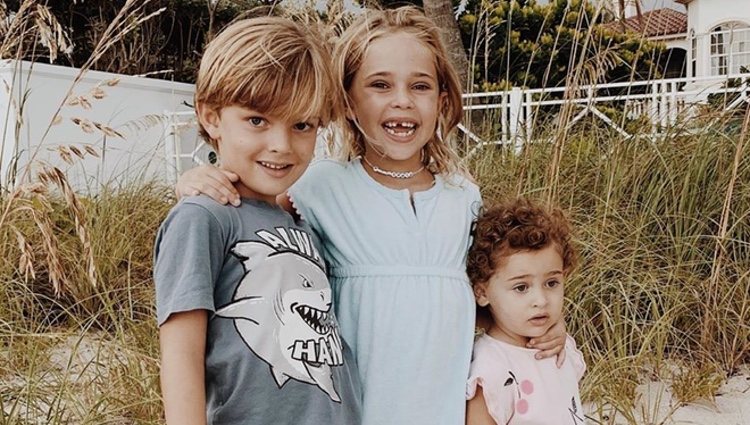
<point>656,405</point>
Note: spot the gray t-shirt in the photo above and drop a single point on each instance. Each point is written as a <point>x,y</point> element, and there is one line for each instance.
<point>273,350</point>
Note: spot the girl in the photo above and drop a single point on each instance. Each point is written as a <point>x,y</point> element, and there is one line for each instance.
<point>517,264</point>
<point>394,219</point>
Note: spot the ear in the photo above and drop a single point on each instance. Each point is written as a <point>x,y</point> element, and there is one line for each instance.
<point>350,112</point>
<point>209,118</point>
<point>480,293</point>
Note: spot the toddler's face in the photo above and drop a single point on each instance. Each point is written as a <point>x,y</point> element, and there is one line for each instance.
<point>525,294</point>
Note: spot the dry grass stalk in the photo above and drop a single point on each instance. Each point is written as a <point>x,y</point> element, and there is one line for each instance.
<point>713,290</point>
<point>32,23</point>
<point>58,178</point>
<point>51,34</point>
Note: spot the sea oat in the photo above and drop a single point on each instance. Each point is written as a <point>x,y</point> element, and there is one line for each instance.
<point>91,151</point>
<point>85,125</point>
<point>26,259</point>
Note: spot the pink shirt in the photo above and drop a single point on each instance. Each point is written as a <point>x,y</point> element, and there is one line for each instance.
<point>520,390</point>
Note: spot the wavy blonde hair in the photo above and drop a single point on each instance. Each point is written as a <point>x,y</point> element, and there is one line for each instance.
<point>349,52</point>
<point>272,65</point>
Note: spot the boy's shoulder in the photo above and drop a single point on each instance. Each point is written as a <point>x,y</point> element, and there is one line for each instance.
<point>203,206</point>
<point>202,202</point>
<point>196,213</point>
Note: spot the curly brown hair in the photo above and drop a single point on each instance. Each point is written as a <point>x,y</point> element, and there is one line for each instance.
<point>513,226</point>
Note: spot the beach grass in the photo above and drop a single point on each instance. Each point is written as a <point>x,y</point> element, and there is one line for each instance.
<point>662,292</point>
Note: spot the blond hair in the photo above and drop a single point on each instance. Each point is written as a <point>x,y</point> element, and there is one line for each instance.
<point>349,53</point>
<point>269,64</point>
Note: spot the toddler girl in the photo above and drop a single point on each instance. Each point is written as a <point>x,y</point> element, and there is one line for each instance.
<point>394,218</point>
<point>517,264</point>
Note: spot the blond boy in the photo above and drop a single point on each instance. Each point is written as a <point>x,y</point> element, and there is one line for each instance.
<point>247,329</point>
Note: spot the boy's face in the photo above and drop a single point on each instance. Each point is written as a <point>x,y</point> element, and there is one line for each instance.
<point>525,294</point>
<point>267,153</point>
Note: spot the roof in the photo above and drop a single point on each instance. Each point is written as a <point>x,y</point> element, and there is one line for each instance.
<point>658,22</point>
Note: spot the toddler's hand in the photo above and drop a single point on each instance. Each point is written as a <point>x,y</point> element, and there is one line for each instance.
<point>211,181</point>
<point>551,343</point>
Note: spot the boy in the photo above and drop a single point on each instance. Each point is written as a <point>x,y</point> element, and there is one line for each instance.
<point>247,329</point>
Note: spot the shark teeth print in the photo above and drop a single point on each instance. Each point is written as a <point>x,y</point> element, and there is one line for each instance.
<point>318,320</point>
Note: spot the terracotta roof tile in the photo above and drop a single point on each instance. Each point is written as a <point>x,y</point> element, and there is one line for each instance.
<point>655,23</point>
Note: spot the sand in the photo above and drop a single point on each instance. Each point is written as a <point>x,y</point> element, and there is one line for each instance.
<point>656,405</point>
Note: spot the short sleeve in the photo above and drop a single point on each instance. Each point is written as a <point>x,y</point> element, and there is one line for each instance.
<point>491,373</point>
<point>311,188</point>
<point>575,356</point>
<point>188,256</point>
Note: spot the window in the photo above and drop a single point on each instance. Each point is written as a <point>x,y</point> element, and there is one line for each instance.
<point>730,48</point>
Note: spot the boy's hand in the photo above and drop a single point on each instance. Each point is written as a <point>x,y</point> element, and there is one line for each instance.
<point>210,181</point>
<point>551,343</point>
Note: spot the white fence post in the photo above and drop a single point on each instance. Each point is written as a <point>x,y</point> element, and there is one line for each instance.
<point>673,113</point>
<point>171,147</point>
<point>529,120</point>
<point>664,106</point>
<point>516,101</point>
<point>654,109</point>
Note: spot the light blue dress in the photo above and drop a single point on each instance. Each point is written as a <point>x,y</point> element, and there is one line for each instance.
<point>401,293</point>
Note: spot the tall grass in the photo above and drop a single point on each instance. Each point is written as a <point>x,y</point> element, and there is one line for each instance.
<point>663,291</point>
<point>652,218</point>
<point>88,354</point>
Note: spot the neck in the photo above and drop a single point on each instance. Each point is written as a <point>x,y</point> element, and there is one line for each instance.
<point>247,193</point>
<point>512,339</point>
<point>384,162</point>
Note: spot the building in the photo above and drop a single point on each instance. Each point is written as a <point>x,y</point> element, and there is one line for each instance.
<point>707,38</point>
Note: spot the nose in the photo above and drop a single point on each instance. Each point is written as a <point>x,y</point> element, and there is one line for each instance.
<point>280,141</point>
<point>402,98</point>
<point>540,298</point>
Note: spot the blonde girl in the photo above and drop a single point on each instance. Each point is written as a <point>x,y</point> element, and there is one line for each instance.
<point>394,215</point>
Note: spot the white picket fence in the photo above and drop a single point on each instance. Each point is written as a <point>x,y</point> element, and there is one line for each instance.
<point>664,103</point>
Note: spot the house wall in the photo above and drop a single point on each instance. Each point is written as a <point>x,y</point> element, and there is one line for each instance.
<point>703,16</point>
<point>31,94</point>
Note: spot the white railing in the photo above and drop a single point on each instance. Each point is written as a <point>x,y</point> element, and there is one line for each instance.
<point>663,102</point>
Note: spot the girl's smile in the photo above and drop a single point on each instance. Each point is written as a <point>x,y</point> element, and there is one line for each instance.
<point>395,100</point>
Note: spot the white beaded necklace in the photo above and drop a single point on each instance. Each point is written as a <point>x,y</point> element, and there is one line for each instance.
<point>394,174</point>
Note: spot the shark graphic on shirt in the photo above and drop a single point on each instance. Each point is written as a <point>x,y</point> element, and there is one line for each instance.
<point>282,311</point>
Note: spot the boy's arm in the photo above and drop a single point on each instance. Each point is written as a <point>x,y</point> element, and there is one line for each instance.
<point>183,346</point>
<point>476,410</point>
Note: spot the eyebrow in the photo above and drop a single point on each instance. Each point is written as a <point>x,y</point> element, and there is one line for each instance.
<point>524,276</point>
<point>414,74</point>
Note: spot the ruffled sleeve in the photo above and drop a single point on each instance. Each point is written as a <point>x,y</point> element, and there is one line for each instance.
<point>491,372</point>
<point>575,356</point>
